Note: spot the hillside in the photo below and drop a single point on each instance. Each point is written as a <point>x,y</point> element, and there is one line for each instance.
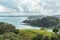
<point>30,34</point>
<point>9,32</point>
<point>47,22</point>
<point>36,17</point>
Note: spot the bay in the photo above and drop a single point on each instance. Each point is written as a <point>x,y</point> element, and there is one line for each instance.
<point>17,21</point>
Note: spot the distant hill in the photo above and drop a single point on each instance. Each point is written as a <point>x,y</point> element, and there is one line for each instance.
<point>58,16</point>
<point>47,22</point>
<point>36,17</point>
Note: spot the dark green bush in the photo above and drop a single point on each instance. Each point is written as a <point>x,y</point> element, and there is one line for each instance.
<point>54,37</point>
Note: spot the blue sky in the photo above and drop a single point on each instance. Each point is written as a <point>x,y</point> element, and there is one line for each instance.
<point>39,7</point>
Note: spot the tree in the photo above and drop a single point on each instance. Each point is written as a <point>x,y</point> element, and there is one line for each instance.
<point>46,38</point>
<point>16,31</point>
<point>38,37</point>
<point>58,25</point>
<point>58,36</point>
<point>54,37</point>
<point>55,30</point>
<point>9,36</point>
<point>6,27</point>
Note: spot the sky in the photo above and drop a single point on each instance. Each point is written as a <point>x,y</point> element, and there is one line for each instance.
<point>38,7</point>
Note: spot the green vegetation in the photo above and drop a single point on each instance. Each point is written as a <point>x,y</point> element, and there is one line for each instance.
<point>9,36</point>
<point>56,30</point>
<point>38,35</point>
<point>9,32</point>
<point>5,27</point>
<point>47,22</point>
<point>34,34</point>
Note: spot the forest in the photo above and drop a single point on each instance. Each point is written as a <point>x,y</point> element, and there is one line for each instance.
<point>46,22</point>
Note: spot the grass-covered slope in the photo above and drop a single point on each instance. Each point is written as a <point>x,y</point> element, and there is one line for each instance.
<point>30,34</point>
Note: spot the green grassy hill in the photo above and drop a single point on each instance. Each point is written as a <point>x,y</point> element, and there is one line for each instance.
<point>29,34</point>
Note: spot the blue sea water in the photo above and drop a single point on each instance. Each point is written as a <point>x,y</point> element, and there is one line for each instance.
<point>17,21</point>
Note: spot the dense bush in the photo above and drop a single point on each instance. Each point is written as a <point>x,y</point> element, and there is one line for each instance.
<point>8,32</point>
<point>46,38</point>
<point>38,37</point>
<point>6,27</point>
<point>9,36</point>
<point>58,36</point>
<point>54,37</point>
<point>56,30</point>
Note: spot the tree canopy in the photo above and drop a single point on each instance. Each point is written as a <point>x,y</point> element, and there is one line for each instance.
<point>48,21</point>
<point>6,27</point>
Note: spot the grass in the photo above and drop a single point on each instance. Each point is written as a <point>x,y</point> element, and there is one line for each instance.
<point>28,34</point>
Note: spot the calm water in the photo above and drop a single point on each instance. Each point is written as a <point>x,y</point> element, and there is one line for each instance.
<point>17,21</point>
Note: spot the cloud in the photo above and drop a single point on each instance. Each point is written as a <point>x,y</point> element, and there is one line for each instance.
<point>8,3</point>
<point>1,8</point>
<point>44,7</point>
<point>5,9</point>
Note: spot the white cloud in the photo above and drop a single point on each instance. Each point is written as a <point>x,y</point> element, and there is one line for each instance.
<point>1,8</point>
<point>5,9</point>
<point>46,7</point>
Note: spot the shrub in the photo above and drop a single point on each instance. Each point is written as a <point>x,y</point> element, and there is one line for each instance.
<point>54,37</point>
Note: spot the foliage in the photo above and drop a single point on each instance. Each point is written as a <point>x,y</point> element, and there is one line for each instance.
<point>54,37</point>
<point>9,36</point>
<point>34,34</point>
<point>46,38</point>
<point>58,36</point>
<point>6,27</point>
<point>55,30</point>
<point>44,22</point>
<point>9,32</point>
<point>38,37</point>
